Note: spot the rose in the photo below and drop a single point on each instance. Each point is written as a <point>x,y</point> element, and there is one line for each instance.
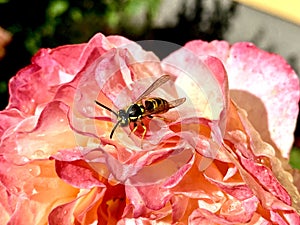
<point>205,163</point>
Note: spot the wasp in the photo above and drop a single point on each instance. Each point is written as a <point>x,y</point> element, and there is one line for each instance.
<point>144,106</point>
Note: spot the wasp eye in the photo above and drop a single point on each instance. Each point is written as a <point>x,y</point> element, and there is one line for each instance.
<point>122,113</point>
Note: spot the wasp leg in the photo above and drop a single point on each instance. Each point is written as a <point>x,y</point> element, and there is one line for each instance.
<point>135,126</point>
<point>143,134</point>
<point>161,118</point>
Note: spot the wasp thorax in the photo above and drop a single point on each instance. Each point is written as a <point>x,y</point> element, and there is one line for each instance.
<point>135,111</point>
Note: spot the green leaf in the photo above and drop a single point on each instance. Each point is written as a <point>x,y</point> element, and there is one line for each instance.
<point>3,86</point>
<point>295,158</point>
<point>57,8</point>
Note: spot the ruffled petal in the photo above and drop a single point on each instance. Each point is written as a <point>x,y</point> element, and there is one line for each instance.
<point>38,137</point>
<point>266,86</point>
<point>28,188</point>
<point>205,88</point>
<point>78,174</point>
<point>263,84</point>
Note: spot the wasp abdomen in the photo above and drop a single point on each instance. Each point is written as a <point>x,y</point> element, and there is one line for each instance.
<point>156,105</point>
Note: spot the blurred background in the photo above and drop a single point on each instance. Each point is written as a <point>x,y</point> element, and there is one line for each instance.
<point>26,26</point>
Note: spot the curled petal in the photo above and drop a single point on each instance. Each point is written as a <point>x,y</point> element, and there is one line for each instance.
<point>77,173</point>
<point>62,214</point>
<point>9,118</point>
<point>38,137</point>
<point>263,84</point>
<point>28,188</point>
<point>206,94</point>
<point>262,149</point>
<point>278,91</point>
<point>79,210</point>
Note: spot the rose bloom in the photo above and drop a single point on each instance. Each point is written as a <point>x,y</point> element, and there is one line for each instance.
<point>218,158</point>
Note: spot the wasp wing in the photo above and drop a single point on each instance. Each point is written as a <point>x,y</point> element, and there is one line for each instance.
<point>176,102</point>
<point>160,81</point>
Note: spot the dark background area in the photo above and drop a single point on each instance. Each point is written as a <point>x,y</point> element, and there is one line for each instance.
<point>38,24</point>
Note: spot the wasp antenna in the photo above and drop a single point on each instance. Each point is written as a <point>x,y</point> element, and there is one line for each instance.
<point>113,130</point>
<point>105,107</point>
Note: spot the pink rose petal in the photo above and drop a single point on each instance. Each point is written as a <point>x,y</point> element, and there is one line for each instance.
<point>151,197</point>
<point>78,174</point>
<point>9,118</point>
<point>5,204</point>
<point>179,206</point>
<point>154,196</point>
<point>263,84</point>
<point>62,214</point>
<point>28,188</point>
<point>267,199</point>
<point>137,221</point>
<point>40,136</point>
<point>269,78</point>
<point>262,149</point>
<point>79,210</point>
<point>233,212</point>
<point>239,191</point>
<point>267,179</point>
<point>199,82</point>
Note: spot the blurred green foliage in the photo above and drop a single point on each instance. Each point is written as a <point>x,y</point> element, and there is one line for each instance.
<point>3,87</point>
<point>295,158</point>
<point>74,21</point>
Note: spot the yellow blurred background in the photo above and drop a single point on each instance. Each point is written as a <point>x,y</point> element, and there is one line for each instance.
<point>285,9</point>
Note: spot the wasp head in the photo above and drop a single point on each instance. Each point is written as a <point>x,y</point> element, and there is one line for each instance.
<point>123,117</point>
